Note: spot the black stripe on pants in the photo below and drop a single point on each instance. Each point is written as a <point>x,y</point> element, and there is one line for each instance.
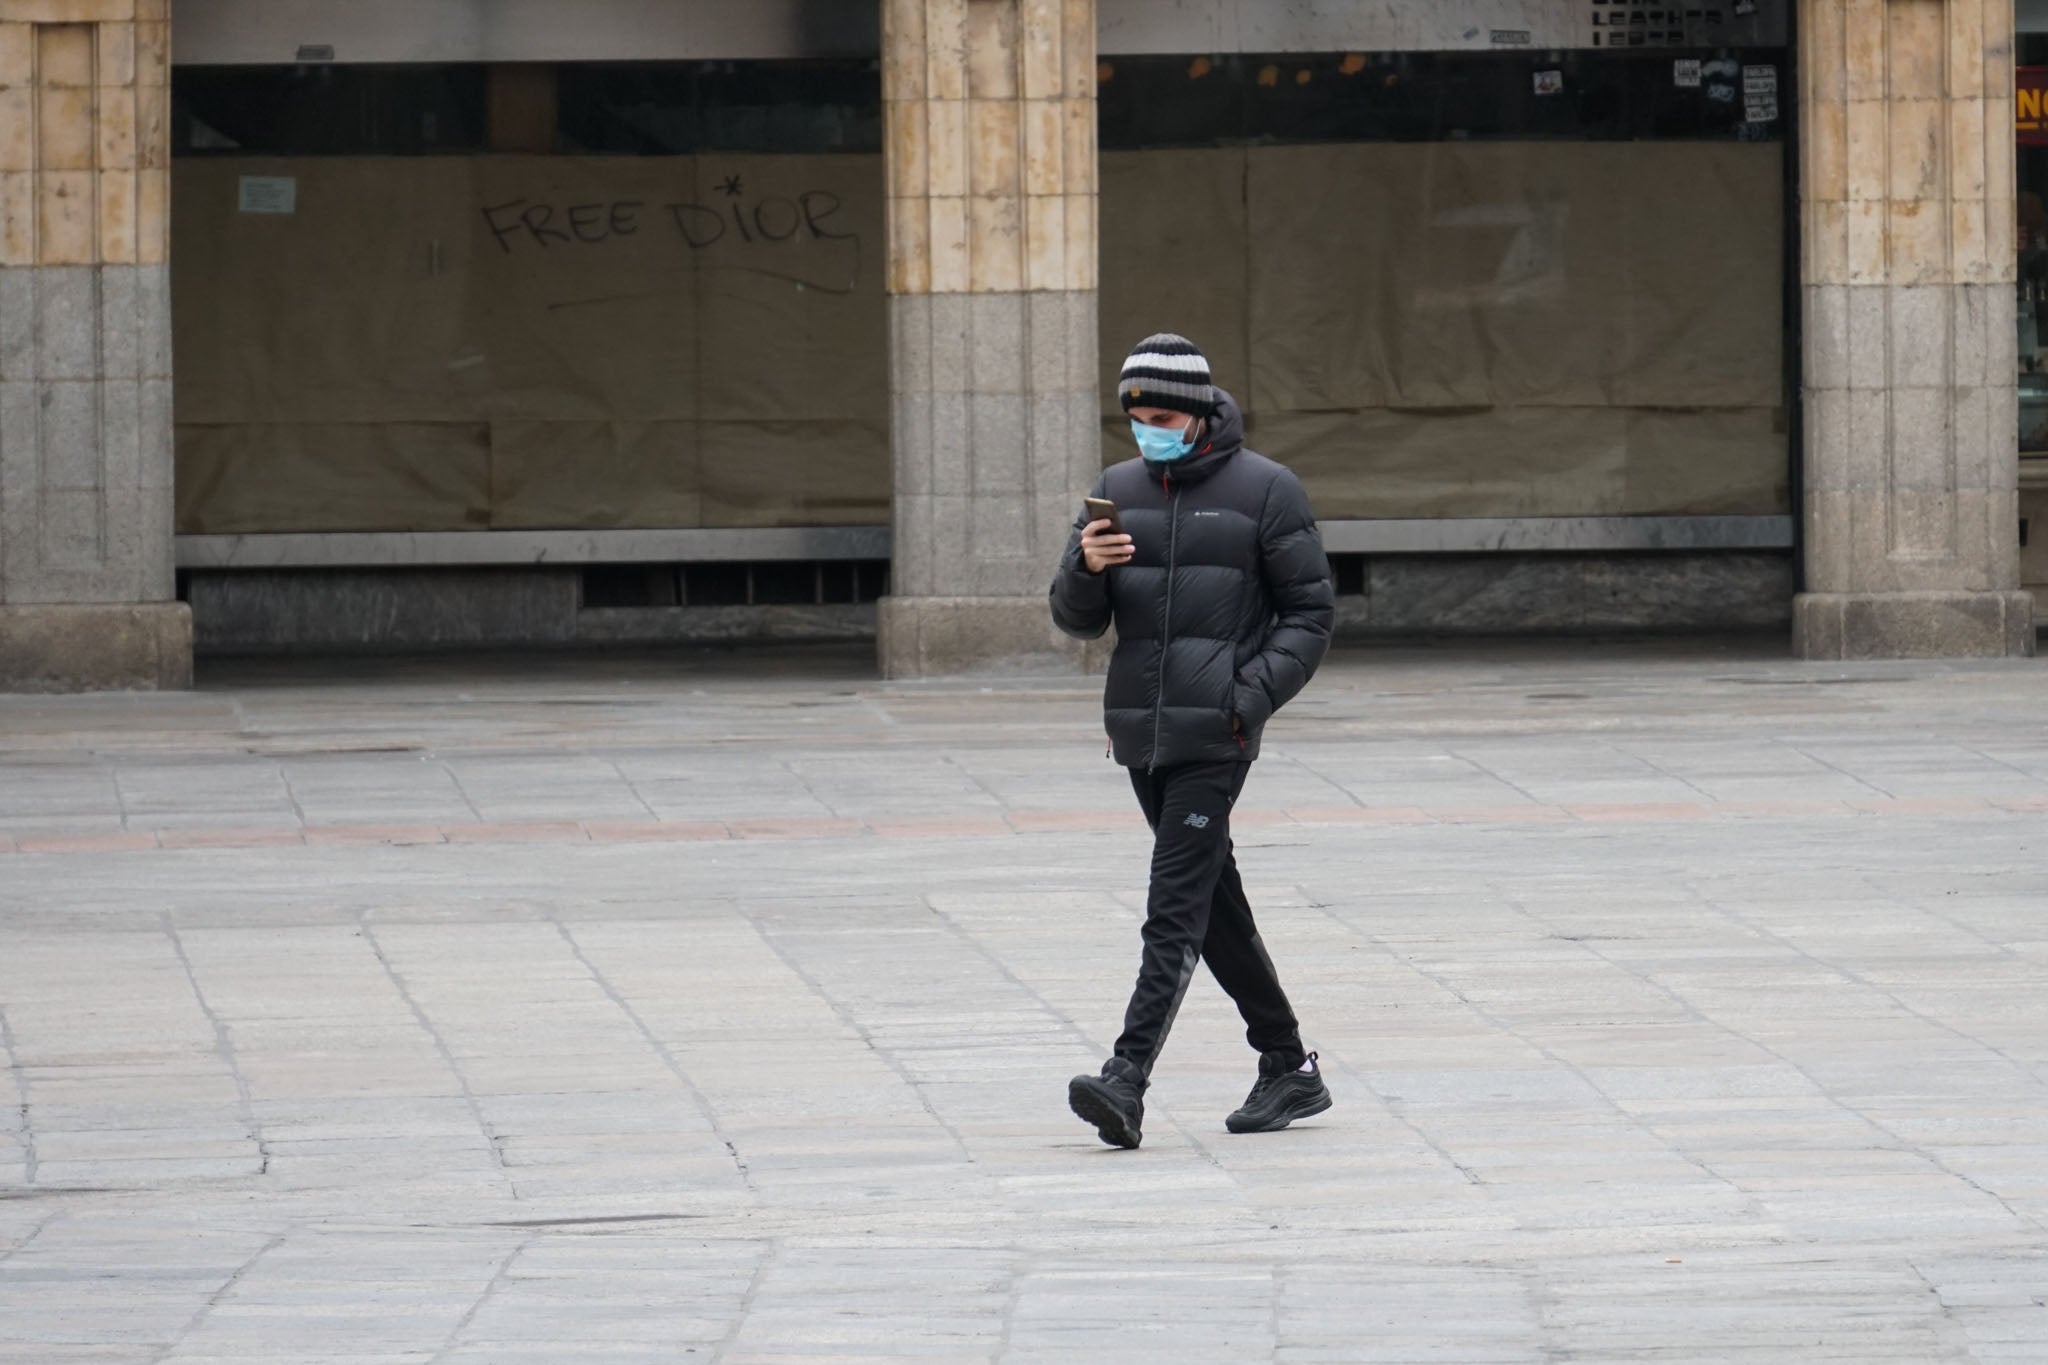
<point>1197,909</point>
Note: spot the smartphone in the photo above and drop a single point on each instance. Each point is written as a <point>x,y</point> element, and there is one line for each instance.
<point>1102,509</point>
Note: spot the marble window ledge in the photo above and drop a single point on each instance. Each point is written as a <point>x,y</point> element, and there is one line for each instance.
<point>1458,535</point>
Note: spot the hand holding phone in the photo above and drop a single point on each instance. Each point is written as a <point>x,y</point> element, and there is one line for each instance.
<point>1103,542</point>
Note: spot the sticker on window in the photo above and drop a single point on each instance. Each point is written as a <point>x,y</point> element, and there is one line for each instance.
<point>1760,94</point>
<point>269,194</point>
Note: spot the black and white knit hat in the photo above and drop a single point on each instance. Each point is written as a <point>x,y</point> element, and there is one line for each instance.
<point>1166,371</point>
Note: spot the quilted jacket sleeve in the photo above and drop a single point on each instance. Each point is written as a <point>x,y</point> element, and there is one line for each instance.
<point>1080,600</point>
<point>1297,579</point>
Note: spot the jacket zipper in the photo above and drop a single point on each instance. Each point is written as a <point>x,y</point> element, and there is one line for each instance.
<point>1166,622</point>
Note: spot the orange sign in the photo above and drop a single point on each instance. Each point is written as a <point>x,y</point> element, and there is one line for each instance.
<point>2030,106</point>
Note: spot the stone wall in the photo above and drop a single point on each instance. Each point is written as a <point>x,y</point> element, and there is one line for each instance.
<point>350,611</point>
<point>382,611</point>
<point>991,148</point>
<point>85,352</point>
<point>1908,220</point>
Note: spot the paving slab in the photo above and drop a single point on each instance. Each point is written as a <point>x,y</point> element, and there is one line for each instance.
<point>1680,1003</point>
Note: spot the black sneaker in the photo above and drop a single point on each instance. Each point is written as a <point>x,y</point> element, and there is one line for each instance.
<point>1282,1095</point>
<point>1114,1102</point>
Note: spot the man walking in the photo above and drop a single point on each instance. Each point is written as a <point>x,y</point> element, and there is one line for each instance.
<point>1215,578</point>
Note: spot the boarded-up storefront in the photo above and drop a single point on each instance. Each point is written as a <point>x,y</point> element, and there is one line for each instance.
<point>511,342</point>
<point>556,342</point>
<point>1460,286</point>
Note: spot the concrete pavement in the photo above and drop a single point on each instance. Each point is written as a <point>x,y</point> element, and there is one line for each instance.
<point>1680,1003</point>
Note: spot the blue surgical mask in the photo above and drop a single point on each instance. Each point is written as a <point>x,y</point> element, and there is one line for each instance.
<point>1162,444</point>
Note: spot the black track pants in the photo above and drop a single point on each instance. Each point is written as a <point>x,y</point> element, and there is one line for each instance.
<point>1196,910</point>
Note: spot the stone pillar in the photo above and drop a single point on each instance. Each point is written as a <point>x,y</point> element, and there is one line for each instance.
<point>86,580</point>
<point>1911,512</point>
<point>990,111</point>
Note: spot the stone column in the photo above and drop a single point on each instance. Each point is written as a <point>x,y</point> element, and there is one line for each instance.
<point>86,580</point>
<point>990,111</point>
<point>1911,513</point>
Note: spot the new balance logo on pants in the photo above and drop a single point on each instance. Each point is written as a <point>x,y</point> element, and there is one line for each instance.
<point>1198,821</point>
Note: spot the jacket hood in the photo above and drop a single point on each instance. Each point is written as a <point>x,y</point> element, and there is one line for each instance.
<point>1225,439</point>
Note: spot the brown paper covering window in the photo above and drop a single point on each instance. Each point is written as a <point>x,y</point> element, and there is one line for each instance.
<point>586,342</point>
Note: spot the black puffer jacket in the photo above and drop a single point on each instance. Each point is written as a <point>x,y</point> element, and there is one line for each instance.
<point>1224,610</point>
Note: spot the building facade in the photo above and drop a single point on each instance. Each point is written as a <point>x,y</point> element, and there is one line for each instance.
<point>405,323</point>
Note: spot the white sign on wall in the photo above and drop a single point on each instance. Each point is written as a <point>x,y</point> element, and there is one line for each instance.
<point>269,194</point>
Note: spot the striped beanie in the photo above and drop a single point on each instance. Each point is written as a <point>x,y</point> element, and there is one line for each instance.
<point>1166,371</point>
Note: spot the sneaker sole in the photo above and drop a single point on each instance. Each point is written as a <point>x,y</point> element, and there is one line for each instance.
<point>1111,1125</point>
<point>1276,1125</point>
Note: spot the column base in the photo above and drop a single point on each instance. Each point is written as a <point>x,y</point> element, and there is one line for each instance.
<point>79,647</point>
<point>1913,625</point>
<point>926,637</point>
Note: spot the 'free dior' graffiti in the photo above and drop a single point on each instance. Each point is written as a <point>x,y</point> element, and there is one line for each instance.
<point>753,225</point>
